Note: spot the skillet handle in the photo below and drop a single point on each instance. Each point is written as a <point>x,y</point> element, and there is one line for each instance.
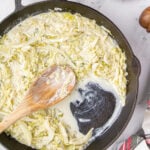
<point>18,5</point>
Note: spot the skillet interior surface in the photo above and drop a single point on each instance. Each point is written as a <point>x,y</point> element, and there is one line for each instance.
<point>133,66</point>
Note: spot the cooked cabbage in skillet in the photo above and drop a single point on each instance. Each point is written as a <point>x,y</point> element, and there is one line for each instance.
<point>55,38</point>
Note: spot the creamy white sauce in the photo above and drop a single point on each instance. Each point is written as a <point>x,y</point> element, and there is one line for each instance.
<point>64,106</point>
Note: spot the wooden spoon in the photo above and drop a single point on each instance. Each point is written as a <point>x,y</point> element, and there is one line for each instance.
<point>50,88</point>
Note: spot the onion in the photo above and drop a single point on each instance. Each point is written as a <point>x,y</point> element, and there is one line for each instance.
<point>145,19</point>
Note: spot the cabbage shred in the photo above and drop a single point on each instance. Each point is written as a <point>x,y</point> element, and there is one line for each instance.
<point>39,42</point>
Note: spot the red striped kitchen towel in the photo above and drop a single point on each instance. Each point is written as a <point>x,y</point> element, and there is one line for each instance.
<point>141,140</point>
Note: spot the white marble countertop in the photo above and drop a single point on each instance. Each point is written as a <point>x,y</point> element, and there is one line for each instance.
<point>125,14</point>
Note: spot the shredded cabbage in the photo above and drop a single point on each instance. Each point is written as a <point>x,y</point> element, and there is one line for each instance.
<point>39,42</point>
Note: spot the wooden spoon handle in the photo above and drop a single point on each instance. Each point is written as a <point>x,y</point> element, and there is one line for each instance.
<point>28,106</point>
<point>17,114</point>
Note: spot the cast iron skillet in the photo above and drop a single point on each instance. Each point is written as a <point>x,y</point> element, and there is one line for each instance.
<point>133,65</point>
